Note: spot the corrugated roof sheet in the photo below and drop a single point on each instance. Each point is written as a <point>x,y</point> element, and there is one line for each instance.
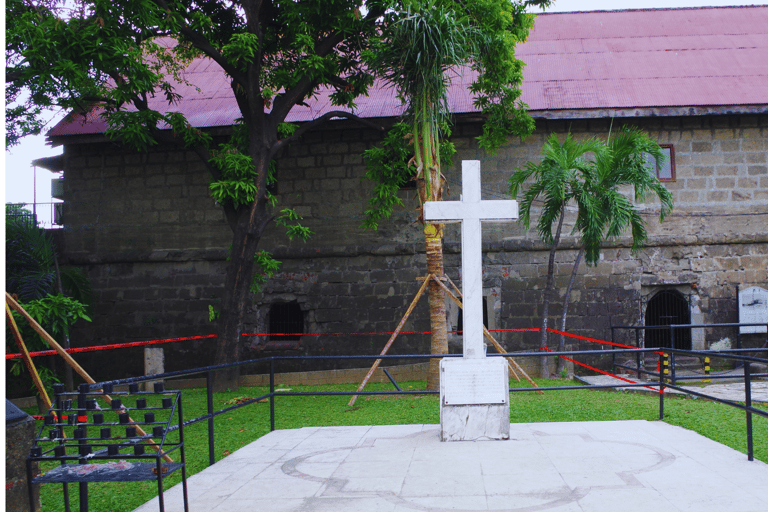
<point>575,61</point>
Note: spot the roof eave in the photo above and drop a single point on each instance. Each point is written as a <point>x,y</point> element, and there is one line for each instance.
<point>679,111</point>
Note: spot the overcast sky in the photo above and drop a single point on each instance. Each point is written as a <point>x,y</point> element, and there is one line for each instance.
<point>19,183</point>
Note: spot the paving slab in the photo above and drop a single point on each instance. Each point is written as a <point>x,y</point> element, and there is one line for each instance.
<point>733,391</point>
<point>554,467</point>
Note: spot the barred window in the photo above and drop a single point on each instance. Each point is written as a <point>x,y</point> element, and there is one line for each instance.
<point>286,318</point>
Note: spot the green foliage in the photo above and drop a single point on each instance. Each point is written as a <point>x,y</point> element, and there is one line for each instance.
<point>242,49</point>
<point>288,218</point>
<point>423,46</point>
<point>267,266</point>
<point>213,313</point>
<point>237,186</point>
<point>30,269</point>
<point>389,166</point>
<point>567,174</point>
<point>191,136</point>
<point>56,314</point>
<point>65,56</point>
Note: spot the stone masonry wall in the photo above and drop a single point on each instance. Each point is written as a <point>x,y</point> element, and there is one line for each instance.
<point>154,243</point>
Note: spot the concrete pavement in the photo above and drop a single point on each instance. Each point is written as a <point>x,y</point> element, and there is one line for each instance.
<point>612,466</point>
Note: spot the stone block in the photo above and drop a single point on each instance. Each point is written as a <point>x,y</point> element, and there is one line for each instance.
<point>330,184</point>
<point>306,162</point>
<point>754,145</point>
<point>331,160</point>
<point>726,170</point>
<point>19,437</point>
<point>747,183</point>
<point>725,183</point>
<point>741,195</point>
<point>701,147</point>
<point>703,171</point>
<point>717,195</point>
<point>729,146</point>
<point>338,148</point>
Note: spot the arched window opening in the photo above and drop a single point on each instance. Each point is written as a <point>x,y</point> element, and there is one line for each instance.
<point>286,318</point>
<point>668,307</point>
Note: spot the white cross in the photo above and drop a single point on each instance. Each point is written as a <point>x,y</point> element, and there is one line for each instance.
<point>469,211</point>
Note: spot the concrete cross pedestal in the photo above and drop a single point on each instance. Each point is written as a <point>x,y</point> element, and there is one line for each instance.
<point>474,390</point>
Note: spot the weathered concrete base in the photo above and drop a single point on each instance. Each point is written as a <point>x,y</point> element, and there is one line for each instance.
<point>154,363</point>
<point>474,422</point>
<point>474,399</point>
<point>19,437</point>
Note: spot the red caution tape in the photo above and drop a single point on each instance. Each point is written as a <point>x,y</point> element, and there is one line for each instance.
<point>369,333</point>
<point>545,349</point>
<point>95,348</point>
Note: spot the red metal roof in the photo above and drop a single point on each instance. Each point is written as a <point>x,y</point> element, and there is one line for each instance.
<point>654,58</point>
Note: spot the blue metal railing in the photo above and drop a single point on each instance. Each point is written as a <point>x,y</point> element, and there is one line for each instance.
<point>662,382</point>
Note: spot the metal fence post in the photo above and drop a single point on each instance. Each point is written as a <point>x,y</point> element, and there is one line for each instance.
<point>272,395</point>
<point>637,356</point>
<point>209,391</point>
<point>707,368</point>
<point>672,366</point>
<point>663,364</point>
<point>748,403</point>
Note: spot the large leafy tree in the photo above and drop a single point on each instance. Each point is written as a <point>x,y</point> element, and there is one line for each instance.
<point>596,176</point>
<point>118,54</point>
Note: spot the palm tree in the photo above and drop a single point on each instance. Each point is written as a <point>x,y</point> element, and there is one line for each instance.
<point>31,265</point>
<point>419,50</point>
<point>559,177</point>
<point>603,210</point>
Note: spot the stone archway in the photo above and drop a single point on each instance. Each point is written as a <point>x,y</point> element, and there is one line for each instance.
<point>668,307</point>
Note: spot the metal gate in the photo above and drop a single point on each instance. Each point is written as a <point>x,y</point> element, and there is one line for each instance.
<point>668,307</point>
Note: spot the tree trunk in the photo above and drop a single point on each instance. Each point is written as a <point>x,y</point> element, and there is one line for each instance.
<point>439,337</point>
<point>250,225</point>
<point>548,295</point>
<point>561,347</point>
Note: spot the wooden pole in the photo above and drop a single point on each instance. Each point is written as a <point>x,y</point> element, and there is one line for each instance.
<point>495,343</point>
<point>391,339</point>
<point>485,332</point>
<point>27,358</point>
<point>55,346</point>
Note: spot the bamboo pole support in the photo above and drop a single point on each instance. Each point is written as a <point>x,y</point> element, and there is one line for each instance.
<point>63,353</point>
<point>27,358</point>
<point>510,361</point>
<point>485,332</point>
<point>391,339</point>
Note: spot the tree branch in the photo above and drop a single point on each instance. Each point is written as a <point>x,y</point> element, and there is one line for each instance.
<point>283,103</point>
<point>204,45</point>
<point>318,121</point>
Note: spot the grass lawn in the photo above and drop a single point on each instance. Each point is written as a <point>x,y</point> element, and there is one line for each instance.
<point>234,430</point>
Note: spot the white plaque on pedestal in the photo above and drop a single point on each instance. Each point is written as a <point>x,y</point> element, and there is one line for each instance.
<point>474,381</point>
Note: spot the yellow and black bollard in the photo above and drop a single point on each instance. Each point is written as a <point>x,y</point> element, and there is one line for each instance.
<point>706,369</point>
